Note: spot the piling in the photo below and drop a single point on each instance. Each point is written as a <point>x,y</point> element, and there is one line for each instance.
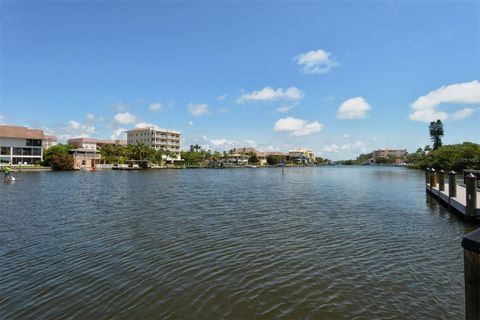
<point>433,179</point>
<point>441,180</point>
<point>452,184</point>
<point>471,195</point>
<point>471,260</point>
<point>427,176</point>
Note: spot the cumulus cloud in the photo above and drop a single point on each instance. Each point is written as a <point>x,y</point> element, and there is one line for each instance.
<point>316,61</point>
<point>284,109</point>
<point>297,127</point>
<point>145,125</point>
<point>353,108</point>
<point>461,114</point>
<point>358,146</point>
<point>197,109</point>
<point>425,108</point>
<point>2,118</point>
<point>119,134</point>
<point>125,118</point>
<point>222,97</point>
<point>223,110</point>
<point>74,129</point>
<point>225,144</point>
<point>155,106</point>
<point>331,148</point>
<point>270,94</point>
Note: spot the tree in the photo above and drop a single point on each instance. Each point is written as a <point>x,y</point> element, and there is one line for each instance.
<point>62,162</point>
<point>107,152</point>
<point>58,150</point>
<point>274,160</point>
<point>436,133</point>
<point>253,158</point>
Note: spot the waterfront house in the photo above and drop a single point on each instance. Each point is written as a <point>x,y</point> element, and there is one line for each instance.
<point>158,139</point>
<point>301,155</point>
<point>20,145</point>
<point>85,152</point>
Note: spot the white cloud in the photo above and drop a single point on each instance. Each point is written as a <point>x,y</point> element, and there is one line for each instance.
<point>223,110</point>
<point>297,127</point>
<point>197,109</point>
<point>219,142</point>
<point>91,117</point>
<point>461,114</point>
<point>353,108</point>
<point>331,148</point>
<point>222,97</point>
<point>74,130</point>
<point>155,106</point>
<point>316,61</point>
<point>357,146</point>
<point>270,94</point>
<point>285,109</point>
<point>190,123</point>
<point>145,125</point>
<point>125,118</point>
<point>2,118</point>
<point>346,136</point>
<point>119,134</point>
<point>425,107</point>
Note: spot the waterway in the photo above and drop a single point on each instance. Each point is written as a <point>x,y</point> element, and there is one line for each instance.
<point>313,243</point>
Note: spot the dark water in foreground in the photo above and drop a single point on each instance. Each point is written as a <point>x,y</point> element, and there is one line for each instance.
<point>315,243</point>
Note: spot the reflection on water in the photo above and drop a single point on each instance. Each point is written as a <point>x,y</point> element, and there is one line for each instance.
<point>315,243</point>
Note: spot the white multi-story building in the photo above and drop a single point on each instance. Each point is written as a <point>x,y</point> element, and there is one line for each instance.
<point>20,145</point>
<point>50,141</point>
<point>302,155</point>
<point>158,139</point>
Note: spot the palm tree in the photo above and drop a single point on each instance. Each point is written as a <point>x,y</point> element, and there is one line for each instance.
<point>436,133</point>
<point>106,151</point>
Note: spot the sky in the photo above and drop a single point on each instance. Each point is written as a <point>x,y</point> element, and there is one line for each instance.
<point>340,78</point>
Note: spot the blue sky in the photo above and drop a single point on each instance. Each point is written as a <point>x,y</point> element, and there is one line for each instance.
<point>337,77</point>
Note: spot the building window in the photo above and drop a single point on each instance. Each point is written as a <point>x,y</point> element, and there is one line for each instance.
<point>27,151</point>
<point>36,151</point>
<point>83,162</point>
<point>5,151</point>
<point>33,143</point>
<point>17,151</point>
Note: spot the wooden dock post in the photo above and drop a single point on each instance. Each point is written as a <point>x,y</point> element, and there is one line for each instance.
<point>427,176</point>
<point>471,260</point>
<point>433,179</point>
<point>471,196</point>
<point>441,180</point>
<point>452,184</point>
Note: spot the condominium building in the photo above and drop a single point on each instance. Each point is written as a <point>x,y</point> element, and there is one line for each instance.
<point>399,155</point>
<point>50,141</point>
<point>86,152</point>
<point>158,139</point>
<point>20,145</point>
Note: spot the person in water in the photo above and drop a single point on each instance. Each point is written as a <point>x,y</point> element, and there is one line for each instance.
<point>7,172</point>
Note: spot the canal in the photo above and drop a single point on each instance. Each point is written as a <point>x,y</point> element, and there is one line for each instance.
<point>315,243</point>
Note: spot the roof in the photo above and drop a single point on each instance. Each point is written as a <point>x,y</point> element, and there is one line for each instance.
<point>21,132</point>
<point>153,129</point>
<point>96,141</point>
<point>50,137</point>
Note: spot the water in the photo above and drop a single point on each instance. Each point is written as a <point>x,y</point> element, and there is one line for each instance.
<point>315,243</point>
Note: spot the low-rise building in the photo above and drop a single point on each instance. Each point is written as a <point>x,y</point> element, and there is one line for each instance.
<point>399,155</point>
<point>93,144</point>
<point>158,139</point>
<point>21,145</point>
<point>85,158</point>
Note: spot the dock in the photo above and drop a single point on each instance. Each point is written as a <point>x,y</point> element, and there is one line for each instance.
<point>460,197</point>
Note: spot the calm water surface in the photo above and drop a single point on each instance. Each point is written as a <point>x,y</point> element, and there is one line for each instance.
<point>315,243</point>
